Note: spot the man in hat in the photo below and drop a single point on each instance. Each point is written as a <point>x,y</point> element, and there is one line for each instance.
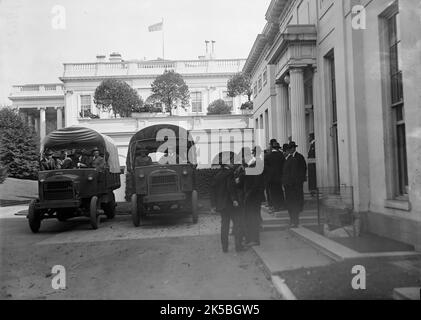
<point>97,162</point>
<point>47,161</point>
<point>293,177</point>
<point>224,199</point>
<point>274,163</point>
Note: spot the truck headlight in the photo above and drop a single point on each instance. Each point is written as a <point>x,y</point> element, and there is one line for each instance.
<point>141,176</point>
<point>90,178</point>
<point>185,172</point>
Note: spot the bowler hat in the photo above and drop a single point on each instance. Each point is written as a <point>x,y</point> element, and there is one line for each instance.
<point>285,147</point>
<point>292,144</point>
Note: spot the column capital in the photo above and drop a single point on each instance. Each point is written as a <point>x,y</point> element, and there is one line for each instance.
<point>296,70</point>
<point>58,108</point>
<point>41,108</point>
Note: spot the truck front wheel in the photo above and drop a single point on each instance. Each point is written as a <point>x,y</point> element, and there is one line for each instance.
<point>93,212</point>
<point>34,217</point>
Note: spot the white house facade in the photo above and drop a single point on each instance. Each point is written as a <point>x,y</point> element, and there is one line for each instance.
<point>349,72</point>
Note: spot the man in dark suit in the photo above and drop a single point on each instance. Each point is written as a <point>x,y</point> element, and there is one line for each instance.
<point>293,177</point>
<point>48,162</point>
<point>274,163</point>
<point>225,201</point>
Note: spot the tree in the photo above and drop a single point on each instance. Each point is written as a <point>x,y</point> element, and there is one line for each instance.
<point>219,107</point>
<point>240,84</point>
<point>117,96</point>
<point>18,146</point>
<point>171,90</point>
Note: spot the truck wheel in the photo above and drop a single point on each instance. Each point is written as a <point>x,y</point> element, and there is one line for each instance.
<point>109,207</point>
<point>136,215</point>
<point>34,217</point>
<point>194,205</point>
<point>93,213</point>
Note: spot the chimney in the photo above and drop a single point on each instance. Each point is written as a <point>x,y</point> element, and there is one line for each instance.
<point>207,49</point>
<point>100,58</point>
<point>115,57</point>
<point>213,49</point>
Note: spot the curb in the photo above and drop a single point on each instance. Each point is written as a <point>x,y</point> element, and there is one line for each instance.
<point>281,287</point>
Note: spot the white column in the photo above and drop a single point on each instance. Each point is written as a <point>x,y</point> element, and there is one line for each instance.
<point>282,113</point>
<point>59,117</point>
<point>298,114</point>
<point>42,124</point>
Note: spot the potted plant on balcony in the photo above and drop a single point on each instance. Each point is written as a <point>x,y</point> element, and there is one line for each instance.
<point>247,107</point>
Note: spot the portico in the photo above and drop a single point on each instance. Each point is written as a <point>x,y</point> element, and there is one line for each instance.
<point>294,56</point>
<point>40,106</point>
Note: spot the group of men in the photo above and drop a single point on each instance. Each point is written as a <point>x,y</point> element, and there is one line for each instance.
<point>72,160</point>
<point>285,173</point>
<point>238,196</point>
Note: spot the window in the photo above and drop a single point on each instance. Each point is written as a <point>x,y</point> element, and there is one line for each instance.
<point>397,105</point>
<point>229,101</point>
<point>255,90</point>
<point>196,101</point>
<point>260,83</point>
<point>265,77</point>
<point>85,106</point>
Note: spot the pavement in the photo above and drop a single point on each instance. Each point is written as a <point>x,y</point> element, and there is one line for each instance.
<point>285,256</point>
<point>169,258</point>
<point>284,251</point>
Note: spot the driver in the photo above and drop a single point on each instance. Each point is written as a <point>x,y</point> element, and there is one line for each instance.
<point>143,158</point>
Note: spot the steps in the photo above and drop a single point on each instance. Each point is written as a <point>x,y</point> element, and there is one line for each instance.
<point>280,220</point>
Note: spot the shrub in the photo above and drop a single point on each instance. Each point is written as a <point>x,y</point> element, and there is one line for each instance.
<point>219,107</point>
<point>18,146</point>
<point>3,173</point>
<point>247,105</point>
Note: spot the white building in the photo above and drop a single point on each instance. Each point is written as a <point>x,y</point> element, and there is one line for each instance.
<point>47,107</point>
<point>353,80</point>
<point>50,106</point>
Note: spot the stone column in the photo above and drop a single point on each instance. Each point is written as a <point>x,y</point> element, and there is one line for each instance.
<point>282,113</point>
<point>59,117</point>
<point>298,113</point>
<point>42,124</point>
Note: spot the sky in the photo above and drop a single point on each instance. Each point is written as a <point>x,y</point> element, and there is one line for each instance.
<point>33,49</point>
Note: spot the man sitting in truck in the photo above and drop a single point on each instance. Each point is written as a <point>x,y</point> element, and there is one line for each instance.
<point>97,161</point>
<point>143,158</point>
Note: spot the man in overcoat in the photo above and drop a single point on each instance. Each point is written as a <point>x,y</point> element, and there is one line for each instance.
<point>293,178</point>
<point>224,199</point>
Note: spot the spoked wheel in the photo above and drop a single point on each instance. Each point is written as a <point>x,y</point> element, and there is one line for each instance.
<point>34,217</point>
<point>109,207</point>
<point>137,210</point>
<point>194,206</point>
<point>93,212</point>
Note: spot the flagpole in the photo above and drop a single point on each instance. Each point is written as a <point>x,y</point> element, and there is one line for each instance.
<point>163,40</point>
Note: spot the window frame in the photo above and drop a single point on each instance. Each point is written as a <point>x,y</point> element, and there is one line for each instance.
<point>194,101</point>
